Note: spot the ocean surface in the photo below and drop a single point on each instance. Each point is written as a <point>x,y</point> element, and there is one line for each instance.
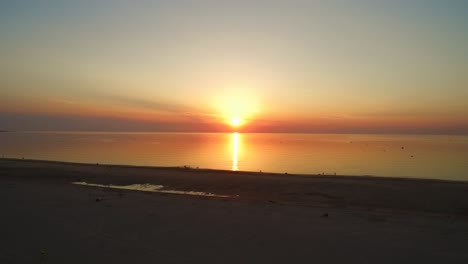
<point>409,156</point>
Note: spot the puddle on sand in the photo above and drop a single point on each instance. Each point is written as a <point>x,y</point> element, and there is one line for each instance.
<point>147,187</point>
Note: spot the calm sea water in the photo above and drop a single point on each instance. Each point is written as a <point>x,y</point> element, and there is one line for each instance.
<point>414,156</point>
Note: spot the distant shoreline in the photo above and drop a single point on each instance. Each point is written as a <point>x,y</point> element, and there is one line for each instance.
<point>243,132</point>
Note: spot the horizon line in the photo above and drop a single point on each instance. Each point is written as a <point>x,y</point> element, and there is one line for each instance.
<point>230,132</point>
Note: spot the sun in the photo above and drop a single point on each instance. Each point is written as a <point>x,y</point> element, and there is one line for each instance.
<point>236,109</point>
<point>236,121</point>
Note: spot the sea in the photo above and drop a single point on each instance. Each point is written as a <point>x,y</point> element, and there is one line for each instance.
<point>408,156</point>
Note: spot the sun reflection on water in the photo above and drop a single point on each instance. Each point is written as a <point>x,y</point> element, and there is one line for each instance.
<point>422,156</point>
<point>235,151</point>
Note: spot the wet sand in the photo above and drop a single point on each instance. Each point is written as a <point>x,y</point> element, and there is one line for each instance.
<point>257,217</point>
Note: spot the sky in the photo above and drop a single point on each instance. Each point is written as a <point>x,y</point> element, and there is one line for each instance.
<point>251,66</point>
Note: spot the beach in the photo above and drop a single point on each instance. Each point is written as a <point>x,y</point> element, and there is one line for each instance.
<point>216,216</point>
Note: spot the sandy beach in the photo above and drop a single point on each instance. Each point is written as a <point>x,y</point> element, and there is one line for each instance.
<point>251,218</point>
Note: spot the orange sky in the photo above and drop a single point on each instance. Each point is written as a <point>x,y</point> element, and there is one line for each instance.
<point>297,66</point>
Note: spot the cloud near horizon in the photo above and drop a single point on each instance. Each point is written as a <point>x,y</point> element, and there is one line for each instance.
<point>60,122</point>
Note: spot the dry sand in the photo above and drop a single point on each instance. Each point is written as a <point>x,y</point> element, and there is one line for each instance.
<point>265,218</point>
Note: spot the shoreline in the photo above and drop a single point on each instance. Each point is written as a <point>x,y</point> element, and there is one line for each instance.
<point>365,192</point>
<point>125,214</point>
<point>241,172</point>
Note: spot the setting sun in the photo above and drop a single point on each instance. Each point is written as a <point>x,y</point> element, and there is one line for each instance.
<point>236,121</point>
<point>236,108</point>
